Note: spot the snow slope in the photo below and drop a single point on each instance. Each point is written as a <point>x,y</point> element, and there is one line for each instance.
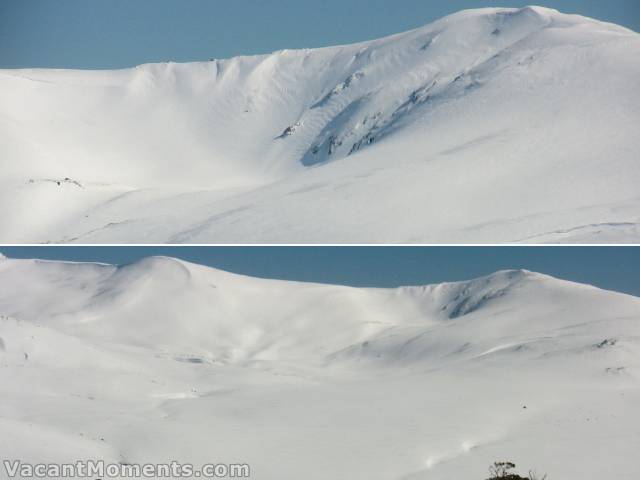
<point>163,360</point>
<point>490,125</point>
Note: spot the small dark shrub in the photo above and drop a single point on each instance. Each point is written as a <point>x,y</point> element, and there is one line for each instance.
<point>504,471</point>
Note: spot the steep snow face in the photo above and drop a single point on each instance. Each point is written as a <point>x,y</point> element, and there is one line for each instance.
<point>521,121</point>
<point>316,381</point>
<point>224,118</point>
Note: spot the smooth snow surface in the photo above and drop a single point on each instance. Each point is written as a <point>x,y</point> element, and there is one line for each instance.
<point>163,360</point>
<point>487,126</point>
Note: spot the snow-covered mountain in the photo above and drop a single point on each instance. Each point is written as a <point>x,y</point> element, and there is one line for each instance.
<point>490,125</point>
<point>163,360</point>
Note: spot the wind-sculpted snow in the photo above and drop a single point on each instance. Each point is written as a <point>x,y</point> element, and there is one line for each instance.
<point>316,381</point>
<point>491,125</point>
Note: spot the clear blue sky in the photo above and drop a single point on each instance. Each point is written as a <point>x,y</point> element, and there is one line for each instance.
<point>122,33</point>
<point>613,268</point>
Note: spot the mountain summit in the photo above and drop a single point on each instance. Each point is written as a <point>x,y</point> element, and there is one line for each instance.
<point>488,125</point>
<point>430,382</point>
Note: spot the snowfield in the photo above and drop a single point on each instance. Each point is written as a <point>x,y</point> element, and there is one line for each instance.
<point>164,360</point>
<point>487,126</point>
